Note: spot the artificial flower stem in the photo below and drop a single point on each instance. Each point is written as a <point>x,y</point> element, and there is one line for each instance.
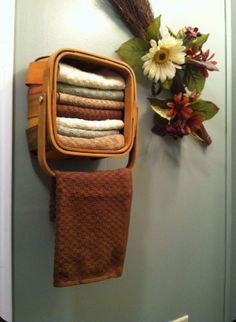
<point>177,84</point>
<point>156,88</point>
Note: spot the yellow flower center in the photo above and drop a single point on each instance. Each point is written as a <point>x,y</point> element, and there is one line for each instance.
<point>161,56</point>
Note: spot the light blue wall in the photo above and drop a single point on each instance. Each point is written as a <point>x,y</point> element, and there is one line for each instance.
<point>176,250</point>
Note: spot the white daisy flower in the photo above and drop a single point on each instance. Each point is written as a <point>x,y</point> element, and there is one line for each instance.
<point>162,60</point>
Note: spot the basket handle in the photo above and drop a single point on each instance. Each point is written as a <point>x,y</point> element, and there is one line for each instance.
<point>42,138</point>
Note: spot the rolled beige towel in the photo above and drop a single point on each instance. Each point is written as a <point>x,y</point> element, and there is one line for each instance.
<point>83,133</point>
<point>68,99</point>
<point>111,142</point>
<point>77,123</point>
<point>105,79</point>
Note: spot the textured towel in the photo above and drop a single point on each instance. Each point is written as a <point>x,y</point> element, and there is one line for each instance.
<point>90,125</point>
<point>106,79</point>
<point>89,92</point>
<point>92,221</point>
<point>68,99</point>
<point>88,113</point>
<point>84,133</point>
<point>111,142</point>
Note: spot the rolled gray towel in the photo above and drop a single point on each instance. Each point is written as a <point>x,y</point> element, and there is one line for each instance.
<point>114,95</point>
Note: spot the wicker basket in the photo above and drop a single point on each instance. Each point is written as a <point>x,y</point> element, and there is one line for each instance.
<point>42,131</point>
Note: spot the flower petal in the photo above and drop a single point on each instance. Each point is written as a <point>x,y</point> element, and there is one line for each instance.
<point>157,76</point>
<point>152,71</point>
<point>163,75</point>
<point>146,57</point>
<point>147,63</point>
<point>153,43</point>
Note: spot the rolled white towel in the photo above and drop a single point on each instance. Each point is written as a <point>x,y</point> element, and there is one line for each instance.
<point>90,125</point>
<point>105,79</point>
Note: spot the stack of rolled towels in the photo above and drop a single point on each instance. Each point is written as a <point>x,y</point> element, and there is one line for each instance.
<point>90,108</point>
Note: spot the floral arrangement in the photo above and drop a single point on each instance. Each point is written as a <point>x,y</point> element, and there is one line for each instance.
<point>176,64</point>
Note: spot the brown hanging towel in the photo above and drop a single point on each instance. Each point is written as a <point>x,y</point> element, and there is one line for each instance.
<point>92,214</point>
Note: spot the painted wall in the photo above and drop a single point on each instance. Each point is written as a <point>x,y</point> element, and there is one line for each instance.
<point>7,20</point>
<point>233,258</point>
<point>176,249</point>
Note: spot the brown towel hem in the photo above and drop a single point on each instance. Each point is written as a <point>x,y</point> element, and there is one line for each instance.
<point>87,280</point>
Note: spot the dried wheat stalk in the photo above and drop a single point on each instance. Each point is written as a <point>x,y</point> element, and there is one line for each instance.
<point>137,14</point>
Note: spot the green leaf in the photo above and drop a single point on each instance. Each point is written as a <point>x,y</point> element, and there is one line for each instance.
<point>159,102</point>
<point>193,78</point>
<point>154,29</point>
<point>196,137</point>
<point>198,42</point>
<point>171,32</point>
<point>161,112</point>
<point>206,64</point>
<point>181,33</point>
<point>159,107</point>
<point>205,109</point>
<point>132,50</point>
<point>167,84</point>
